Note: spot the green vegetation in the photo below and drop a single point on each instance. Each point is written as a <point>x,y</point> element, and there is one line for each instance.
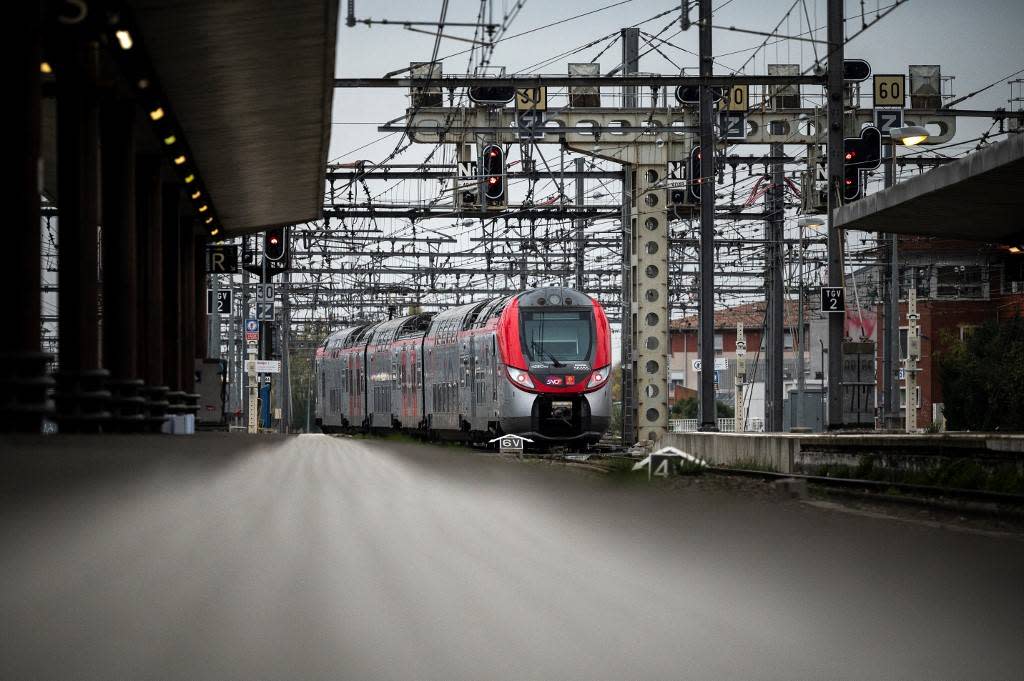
<point>686,408</point>
<point>955,472</point>
<point>982,378</point>
<point>301,376</point>
<point>689,408</point>
<point>752,465</point>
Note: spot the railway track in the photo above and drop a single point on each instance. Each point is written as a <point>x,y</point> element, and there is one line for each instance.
<point>976,499</point>
<point>610,458</point>
<point>882,486</point>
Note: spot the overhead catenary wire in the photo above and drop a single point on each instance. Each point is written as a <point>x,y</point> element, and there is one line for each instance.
<point>731,227</point>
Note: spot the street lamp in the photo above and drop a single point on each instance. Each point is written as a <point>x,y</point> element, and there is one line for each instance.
<point>810,222</point>
<point>909,135</point>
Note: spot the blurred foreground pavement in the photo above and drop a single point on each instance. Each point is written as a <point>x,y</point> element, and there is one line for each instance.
<point>235,557</point>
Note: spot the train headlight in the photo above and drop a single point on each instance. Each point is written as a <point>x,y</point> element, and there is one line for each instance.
<point>520,378</point>
<point>599,377</point>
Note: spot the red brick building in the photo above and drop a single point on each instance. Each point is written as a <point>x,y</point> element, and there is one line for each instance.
<point>960,286</point>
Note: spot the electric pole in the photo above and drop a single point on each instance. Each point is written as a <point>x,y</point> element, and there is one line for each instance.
<point>891,351</point>
<point>706,314</point>
<point>913,354</point>
<point>740,412</point>
<point>630,63</point>
<point>580,227</point>
<point>775,205</point>
<point>834,95</point>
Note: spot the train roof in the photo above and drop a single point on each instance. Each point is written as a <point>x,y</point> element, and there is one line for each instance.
<point>339,337</point>
<point>554,295</point>
<point>477,313</point>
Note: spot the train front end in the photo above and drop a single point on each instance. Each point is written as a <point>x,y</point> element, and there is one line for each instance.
<point>556,347</point>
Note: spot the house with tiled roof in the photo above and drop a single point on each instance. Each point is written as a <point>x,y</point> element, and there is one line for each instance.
<point>685,350</point>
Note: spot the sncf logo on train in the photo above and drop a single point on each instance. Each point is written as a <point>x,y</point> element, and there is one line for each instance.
<point>553,380</point>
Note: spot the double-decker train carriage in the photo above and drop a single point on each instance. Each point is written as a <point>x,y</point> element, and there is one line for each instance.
<point>535,364</point>
<point>340,369</point>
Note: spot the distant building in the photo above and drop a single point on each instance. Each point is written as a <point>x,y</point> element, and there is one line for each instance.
<point>685,351</point>
<point>960,286</point>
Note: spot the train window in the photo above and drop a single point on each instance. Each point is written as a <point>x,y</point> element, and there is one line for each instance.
<point>559,336</point>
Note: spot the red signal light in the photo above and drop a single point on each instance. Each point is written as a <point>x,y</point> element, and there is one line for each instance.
<point>494,172</point>
<point>274,245</point>
<point>850,155</point>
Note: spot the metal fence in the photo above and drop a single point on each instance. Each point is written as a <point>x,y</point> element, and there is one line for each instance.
<point>754,425</point>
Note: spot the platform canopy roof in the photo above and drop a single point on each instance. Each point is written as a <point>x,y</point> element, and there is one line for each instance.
<point>978,198</point>
<point>251,84</point>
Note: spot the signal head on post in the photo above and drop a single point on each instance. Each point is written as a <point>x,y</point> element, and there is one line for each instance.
<point>494,174</point>
<point>274,245</point>
<point>695,176</point>
<point>851,184</point>
<point>491,94</point>
<point>860,153</point>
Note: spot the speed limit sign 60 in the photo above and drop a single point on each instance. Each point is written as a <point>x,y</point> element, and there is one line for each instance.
<point>889,90</point>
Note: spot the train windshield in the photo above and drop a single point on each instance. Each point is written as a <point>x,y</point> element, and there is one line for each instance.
<point>558,336</point>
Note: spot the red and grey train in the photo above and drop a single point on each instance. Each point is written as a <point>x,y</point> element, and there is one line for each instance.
<point>535,364</point>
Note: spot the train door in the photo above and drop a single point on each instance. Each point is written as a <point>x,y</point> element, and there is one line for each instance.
<point>465,378</point>
<point>351,396</point>
<point>400,382</point>
<point>471,376</point>
<point>392,384</point>
<point>414,382</point>
<point>342,387</point>
<point>481,393</point>
<point>421,394</point>
<point>367,372</point>
<point>494,370</point>
<point>322,402</point>
<point>377,373</point>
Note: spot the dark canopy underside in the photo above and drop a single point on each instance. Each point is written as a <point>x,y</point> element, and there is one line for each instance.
<point>252,85</point>
<point>978,198</point>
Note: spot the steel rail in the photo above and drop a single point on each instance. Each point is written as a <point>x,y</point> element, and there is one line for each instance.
<point>932,490</point>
